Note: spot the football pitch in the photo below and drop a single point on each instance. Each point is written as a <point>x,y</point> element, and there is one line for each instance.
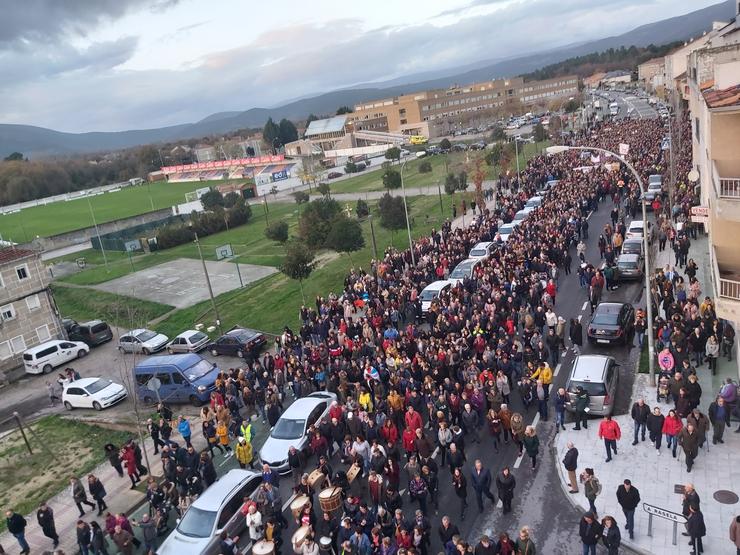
<point>63,216</point>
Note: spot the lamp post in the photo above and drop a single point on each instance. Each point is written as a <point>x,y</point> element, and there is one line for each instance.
<point>406,210</point>
<point>646,245</point>
<point>208,282</point>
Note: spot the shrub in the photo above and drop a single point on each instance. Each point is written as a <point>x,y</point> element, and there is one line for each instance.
<point>425,167</point>
<point>277,231</point>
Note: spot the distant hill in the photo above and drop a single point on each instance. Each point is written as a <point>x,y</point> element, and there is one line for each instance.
<point>38,141</point>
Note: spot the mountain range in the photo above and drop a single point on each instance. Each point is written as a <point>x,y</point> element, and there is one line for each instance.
<point>36,141</point>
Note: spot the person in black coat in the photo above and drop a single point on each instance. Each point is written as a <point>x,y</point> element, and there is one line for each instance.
<point>611,536</point>
<point>576,334</point>
<point>447,530</point>
<point>45,518</point>
<point>628,498</point>
<point>696,529</point>
<point>590,532</point>
<point>505,484</point>
<point>207,470</point>
<point>480,478</point>
<point>655,426</point>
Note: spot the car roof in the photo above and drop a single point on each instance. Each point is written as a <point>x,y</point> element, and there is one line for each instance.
<point>83,382</point>
<point>628,257</point>
<point>467,262</point>
<point>137,331</point>
<point>215,495</point>
<point>46,344</point>
<point>181,361</point>
<point>632,240</point>
<point>437,285</point>
<point>589,368</point>
<point>301,407</point>
<point>609,308</point>
<point>636,223</point>
<point>188,333</point>
<point>237,330</point>
<point>483,245</point>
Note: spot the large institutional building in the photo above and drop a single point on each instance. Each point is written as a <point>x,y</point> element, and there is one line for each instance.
<point>437,112</point>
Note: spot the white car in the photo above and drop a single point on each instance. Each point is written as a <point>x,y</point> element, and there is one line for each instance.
<point>142,341</point>
<point>431,292</point>
<point>92,393</point>
<point>189,341</point>
<point>636,229</point>
<point>482,250</point>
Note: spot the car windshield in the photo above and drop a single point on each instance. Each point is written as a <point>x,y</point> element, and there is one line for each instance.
<point>605,318</point>
<point>594,389</point>
<point>628,264</point>
<point>506,229</point>
<point>428,295</point>
<point>288,429</point>
<point>198,370</point>
<point>461,271</point>
<point>98,385</point>
<point>146,335</point>
<point>197,337</point>
<point>97,328</point>
<point>478,252</point>
<point>197,523</point>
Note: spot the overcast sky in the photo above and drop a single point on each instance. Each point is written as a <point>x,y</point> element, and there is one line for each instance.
<point>104,65</point>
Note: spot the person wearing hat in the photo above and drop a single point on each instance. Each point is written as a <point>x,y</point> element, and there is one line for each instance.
<point>244,454</point>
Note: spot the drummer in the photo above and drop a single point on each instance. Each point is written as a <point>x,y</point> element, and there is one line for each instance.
<point>304,488</point>
<point>307,517</point>
<point>327,527</point>
<point>325,469</point>
<point>308,547</point>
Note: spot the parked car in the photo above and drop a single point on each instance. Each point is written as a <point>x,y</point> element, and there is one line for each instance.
<point>186,378</point>
<point>633,246</point>
<point>94,332</point>
<point>630,266</point>
<point>505,231</point>
<point>534,202</point>
<point>216,510</point>
<point>92,393</point>
<point>291,430</point>
<point>43,358</point>
<point>334,175</point>
<point>521,215</point>
<point>612,323</point>
<point>636,229</point>
<point>142,341</point>
<point>598,375</point>
<point>189,341</point>
<point>431,292</point>
<point>464,269</point>
<point>239,342</point>
<point>482,251</point>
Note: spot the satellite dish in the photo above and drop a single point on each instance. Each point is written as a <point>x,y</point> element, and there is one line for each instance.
<point>693,176</point>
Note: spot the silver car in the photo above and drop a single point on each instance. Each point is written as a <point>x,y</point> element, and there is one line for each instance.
<point>291,430</point>
<point>142,341</point>
<point>216,510</point>
<point>630,266</point>
<point>190,341</point>
<point>598,375</point>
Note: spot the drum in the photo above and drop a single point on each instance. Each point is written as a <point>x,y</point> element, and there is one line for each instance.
<point>297,505</point>
<point>325,544</point>
<point>263,547</point>
<point>300,536</point>
<point>352,473</point>
<point>316,479</point>
<point>330,499</point>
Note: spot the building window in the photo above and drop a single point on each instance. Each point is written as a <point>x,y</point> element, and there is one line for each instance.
<point>18,344</point>
<point>22,272</point>
<point>42,332</point>
<point>5,350</point>
<point>7,312</point>
<point>33,302</point>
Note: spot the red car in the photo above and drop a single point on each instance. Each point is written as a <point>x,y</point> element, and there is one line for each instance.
<point>334,175</point>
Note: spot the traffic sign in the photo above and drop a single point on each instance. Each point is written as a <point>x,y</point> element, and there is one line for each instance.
<point>154,384</point>
<point>663,513</point>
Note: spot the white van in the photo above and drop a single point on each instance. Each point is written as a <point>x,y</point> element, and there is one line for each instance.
<point>534,202</point>
<point>431,292</point>
<point>43,358</point>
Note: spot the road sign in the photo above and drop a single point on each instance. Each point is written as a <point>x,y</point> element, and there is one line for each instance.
<point>224,251</point>
<point>132,246</point>
<point>663,513</point>
<point>154,384</point>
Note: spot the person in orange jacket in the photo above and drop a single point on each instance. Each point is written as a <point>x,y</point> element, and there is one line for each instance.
<point>609,431</point>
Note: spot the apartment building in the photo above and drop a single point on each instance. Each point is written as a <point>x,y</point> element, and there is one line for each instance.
<point>651,75</point>
<point>713,81</point>
<point>28,315</point>
<point>438,111</point>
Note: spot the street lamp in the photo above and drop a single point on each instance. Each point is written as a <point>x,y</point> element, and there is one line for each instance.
<point>406,210</point>
<point>645,237</point>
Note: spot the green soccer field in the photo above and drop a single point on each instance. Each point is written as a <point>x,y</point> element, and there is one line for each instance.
<point>59,217</point>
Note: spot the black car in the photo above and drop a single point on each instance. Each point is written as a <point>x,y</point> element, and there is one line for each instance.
<point>612,323</point>
<point>94,332</point>
<point>240,342</point>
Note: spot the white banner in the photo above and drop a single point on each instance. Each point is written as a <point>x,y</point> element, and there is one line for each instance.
<point>624,149</point>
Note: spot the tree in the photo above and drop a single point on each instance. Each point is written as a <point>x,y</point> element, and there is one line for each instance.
<point>324,189</point>
<point>270,132</point>
<point>14,156</point>
<point>391,179</point>
<point>451,184</point>
<point>315,221</point>
<point>345,235</point>
<point>493,156</point>
<point>425,167</point>
<point>310,118</point>
<point>344,110</point>
<point>556,124</point>
<point>239,214</point>
<point>298,263</point>
<point>478,175</point>
<point>230,199</point>
<point>350,167</point>
<point>301,197</point>
<point>212,199</point>
<point>445,144</point>
<point>362,209</point>
<point>288,132</point>
<point>393,153</point>
<point>498,134</point>
<point>277,231</point>
<point>571,106</point>
<point>392,213</point>
<point>250,151</point>
<point>539,133</point>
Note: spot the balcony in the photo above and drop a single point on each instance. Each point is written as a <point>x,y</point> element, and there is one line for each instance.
<point>726,185</point>
<point>726,275</point>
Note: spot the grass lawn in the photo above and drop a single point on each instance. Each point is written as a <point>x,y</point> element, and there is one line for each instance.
<point>59,217</point>
<point>274,301</point>
<point>72,448</point>
<point>247,241</point>
<point>84,304</point>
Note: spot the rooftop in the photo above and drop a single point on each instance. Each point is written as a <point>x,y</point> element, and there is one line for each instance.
<point>11,254</point>
<point>723,98</point>
<point>329,125</point>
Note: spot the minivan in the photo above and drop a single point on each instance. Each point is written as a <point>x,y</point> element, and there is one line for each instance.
<point>431,292</point>
<point>182,379</point>
<point>94,332</point>
<point>216,510</point>
<point>43,358</point>
<point>598,375</point>
<point>534,202</point>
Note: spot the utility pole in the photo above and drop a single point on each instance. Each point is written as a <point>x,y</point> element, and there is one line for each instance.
<point>372,234</point>
<point>97,232</point>
<point>208,282</point>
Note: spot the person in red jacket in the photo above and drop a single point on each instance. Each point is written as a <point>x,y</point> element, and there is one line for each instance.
<point>408,438</point>
<point>609,431</point>
<point>672,426</point>
<point>412,419</point>
<point>389,432</point>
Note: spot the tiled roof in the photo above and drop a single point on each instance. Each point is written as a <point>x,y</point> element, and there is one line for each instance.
<point>10,254</point>
<point>723,98</point>
<point>707,85</point>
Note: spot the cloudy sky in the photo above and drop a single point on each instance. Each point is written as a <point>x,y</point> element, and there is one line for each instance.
<point>94,65</point>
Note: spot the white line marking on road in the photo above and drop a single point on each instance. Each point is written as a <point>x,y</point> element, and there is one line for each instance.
<point>557,369</point>
<point>499,505</point>
<point>288,502</point>
<point>436,452</point>
<point>518,461</point>
<point>535,420</point>
<point>585,304</point>
<point>246,548</point>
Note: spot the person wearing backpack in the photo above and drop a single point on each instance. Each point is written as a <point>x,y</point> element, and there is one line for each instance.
<point>592,489</point>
